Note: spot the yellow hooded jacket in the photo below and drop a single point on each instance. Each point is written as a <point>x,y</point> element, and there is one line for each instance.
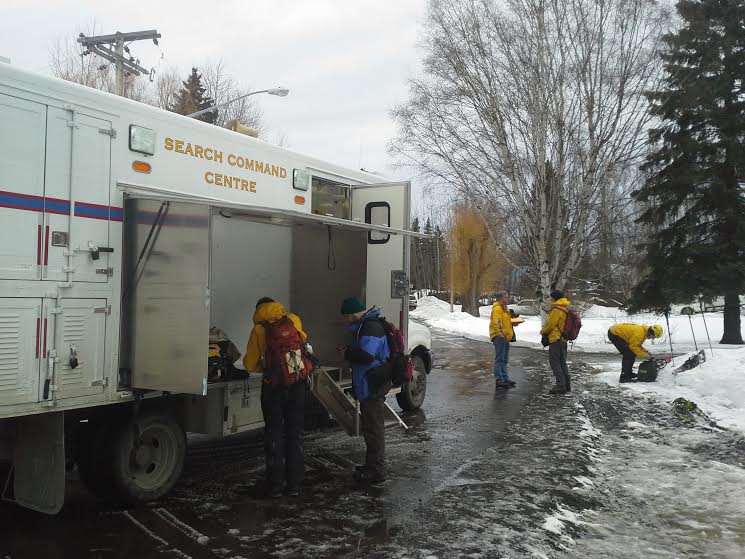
<point>556,319</point>
<point>256,348</point>
<point>500,324</point>
<point>634,335</point>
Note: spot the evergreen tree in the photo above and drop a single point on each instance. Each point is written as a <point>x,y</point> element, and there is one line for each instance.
<point>193,98</point>
<point>693,197</point>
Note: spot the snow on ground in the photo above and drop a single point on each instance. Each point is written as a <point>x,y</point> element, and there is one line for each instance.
<point>595,323</point>
<point>717,386</point>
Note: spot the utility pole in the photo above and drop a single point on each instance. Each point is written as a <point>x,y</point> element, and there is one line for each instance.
<point>101,45</point>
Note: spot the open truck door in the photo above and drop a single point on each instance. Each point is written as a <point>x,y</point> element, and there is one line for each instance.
<point>166,295</point>
<point>387,283</point>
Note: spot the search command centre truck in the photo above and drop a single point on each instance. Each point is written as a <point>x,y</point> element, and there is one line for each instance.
<point>126,233</point>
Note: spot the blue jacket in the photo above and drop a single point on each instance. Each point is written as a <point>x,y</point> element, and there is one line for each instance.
<point>369,350</point>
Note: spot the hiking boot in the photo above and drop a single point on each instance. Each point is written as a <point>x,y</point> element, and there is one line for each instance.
<point>274,493</point>
<point>502,384</point>
<point>557,390</point>
<point>512,383</point>
<point>368,476</point>
<point>627,379</point>
<point>293,491</point>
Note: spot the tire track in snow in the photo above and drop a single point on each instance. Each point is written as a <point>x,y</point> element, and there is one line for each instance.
<point>182,526</point>
<point>150,533</point>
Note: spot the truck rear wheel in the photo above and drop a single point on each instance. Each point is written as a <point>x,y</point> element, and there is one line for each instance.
<point>148,457</point>
<point>413,392</point>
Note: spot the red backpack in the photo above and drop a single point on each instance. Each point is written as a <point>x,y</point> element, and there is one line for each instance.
<point>402,369</point>
<point>572,325</point>
<point>285,361</point>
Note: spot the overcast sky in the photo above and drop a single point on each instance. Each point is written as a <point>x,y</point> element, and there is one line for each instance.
<point>346,62</point>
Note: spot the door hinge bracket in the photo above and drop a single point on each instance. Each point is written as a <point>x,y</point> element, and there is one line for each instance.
<point>103,310</point>
<point>106,271</point>
<point>103,382</point>
<point>108,131</point>
<point>55,310</point>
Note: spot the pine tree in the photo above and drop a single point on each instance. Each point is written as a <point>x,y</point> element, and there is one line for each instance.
<point>694,199</point>
<point>193,98</point>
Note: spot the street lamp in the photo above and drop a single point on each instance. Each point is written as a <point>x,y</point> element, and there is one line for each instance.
<point>278,91</point>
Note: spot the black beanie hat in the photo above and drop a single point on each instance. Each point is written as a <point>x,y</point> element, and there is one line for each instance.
<point>556,294</point>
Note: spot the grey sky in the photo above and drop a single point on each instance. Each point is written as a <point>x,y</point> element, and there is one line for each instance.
<point>346,62</point>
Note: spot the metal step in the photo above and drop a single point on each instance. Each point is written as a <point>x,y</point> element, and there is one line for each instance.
<point>335,398</point>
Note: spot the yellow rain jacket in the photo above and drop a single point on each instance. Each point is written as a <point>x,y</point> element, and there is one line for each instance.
<point>556,319</point>
<point>634,335</point>
<point>500,323</point>
<point>256,348</point>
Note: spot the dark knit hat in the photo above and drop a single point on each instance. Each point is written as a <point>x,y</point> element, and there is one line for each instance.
<point>352,305</point>
<point>556,294</point>
<point>264,300</point>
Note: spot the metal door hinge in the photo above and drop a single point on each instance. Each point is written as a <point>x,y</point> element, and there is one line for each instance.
<point>103,310</point>
<point>108,131</point>
<point>103,382</point>
<point>55,310</point>
<point>105,271</point>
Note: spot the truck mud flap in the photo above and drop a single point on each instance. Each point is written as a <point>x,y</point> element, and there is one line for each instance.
<point>39,462</point>
<point>341,407</point>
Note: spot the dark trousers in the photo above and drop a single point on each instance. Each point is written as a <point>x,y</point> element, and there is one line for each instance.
<point>557,359</point>
<point>627,363</point>
<point>372,422</point>
<point>283,408</point>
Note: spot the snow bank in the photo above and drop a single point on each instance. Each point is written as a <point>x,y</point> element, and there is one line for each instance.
<point>595,323</point>
<point>717,386</point>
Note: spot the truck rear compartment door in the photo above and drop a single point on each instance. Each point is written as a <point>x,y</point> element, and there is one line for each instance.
<point>21,347</point>
<point>77,192</point>
<point>22,148</point>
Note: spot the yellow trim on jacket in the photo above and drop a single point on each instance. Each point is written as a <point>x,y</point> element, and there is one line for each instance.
<point>256,348</point>
<point>500,323</point>
<point>556,319</point>
<point>634,335</point>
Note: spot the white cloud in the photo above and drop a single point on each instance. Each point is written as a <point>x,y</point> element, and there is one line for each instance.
<point>346,63</point>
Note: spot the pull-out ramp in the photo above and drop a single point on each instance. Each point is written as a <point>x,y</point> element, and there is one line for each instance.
<point>332,389</point>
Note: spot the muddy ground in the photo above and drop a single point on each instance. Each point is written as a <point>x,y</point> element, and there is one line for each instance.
<point>480,473</point>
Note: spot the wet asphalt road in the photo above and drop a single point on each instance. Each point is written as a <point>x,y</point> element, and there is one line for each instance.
<point>480,473</point>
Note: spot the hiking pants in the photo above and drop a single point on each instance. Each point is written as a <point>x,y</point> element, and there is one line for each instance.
<point>501,357</point>
<point>557,358</point>
<point>283,408</point>
<point>629,357</point>
<point>372,422</point>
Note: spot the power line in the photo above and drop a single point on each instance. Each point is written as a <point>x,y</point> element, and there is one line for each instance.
<point>112,48</point>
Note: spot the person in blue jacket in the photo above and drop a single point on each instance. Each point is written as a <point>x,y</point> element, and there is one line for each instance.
<point>368,355</point>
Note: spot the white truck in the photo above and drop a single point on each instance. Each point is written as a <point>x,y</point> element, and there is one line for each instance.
<point>126,232</point>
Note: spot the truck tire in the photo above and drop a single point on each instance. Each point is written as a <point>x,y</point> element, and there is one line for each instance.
<point>148,457</point>
<point>413,392</point>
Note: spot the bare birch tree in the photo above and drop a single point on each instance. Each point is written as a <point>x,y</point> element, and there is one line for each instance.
<point>531,110</point>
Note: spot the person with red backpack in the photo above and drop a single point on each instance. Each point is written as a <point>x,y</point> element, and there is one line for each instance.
<point>553,332</point>
<point>277,347</point>
<point>371,380</point>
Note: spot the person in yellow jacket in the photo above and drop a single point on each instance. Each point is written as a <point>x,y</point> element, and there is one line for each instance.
<point>283,406</point>
<point>628,339</point>
<point>501,333</point>
<point>557,345</point>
